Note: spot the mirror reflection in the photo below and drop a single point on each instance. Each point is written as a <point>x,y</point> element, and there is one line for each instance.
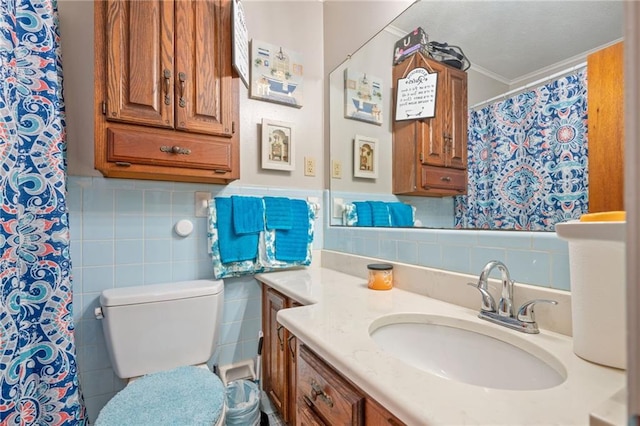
<point>527,83</point>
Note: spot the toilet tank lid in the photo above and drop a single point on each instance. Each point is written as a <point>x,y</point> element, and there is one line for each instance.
<point>160,292</point>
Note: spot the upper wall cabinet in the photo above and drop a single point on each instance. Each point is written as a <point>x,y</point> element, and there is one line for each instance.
<point>166,97</point>
<point>430,155</point>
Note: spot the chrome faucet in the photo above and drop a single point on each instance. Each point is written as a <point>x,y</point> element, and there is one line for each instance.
<point>524,320</point>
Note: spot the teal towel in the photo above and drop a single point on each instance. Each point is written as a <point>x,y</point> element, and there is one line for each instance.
<point>401,214</point>
<point>233,247</point>
<point>278,212</point>
<point>248,214</point>
<point>165,398</point>
<point>291,244</point>
<point>363,210</point>
<point>379,213</point>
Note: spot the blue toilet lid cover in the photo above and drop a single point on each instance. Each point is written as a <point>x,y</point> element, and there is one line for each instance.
<point>182,396</point>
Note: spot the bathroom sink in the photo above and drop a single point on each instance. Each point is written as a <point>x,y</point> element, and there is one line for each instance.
<point>468,352</point>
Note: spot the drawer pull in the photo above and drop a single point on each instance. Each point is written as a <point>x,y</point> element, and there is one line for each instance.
<point>123,164</point>
<point>445,179</point>
<point>293,352</point>
<point>175,150</point>
<point>183,78</point>
<point>316,391</point>
<point>167,87</point>
<point>278,330</point>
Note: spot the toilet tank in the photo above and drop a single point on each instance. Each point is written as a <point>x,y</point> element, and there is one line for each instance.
<point>158,327</point>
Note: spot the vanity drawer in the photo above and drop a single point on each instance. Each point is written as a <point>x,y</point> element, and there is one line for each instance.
<point>445,178</point>
<point>325,393</point>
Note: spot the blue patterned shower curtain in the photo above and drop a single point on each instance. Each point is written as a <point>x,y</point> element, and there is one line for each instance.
<point>527,159</point>
<point>38,370</point>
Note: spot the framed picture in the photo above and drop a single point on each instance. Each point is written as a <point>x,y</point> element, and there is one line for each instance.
<point>362,97</point>
<point>240,43</point>
<point>365,157</point>
<point>277,145</point>
<point>276,74</point>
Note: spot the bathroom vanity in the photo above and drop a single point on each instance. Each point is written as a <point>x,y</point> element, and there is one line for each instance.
<point>300,384</point>
<point>338,360</point>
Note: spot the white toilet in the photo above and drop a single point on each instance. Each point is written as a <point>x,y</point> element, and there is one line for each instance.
<point>165,333</point>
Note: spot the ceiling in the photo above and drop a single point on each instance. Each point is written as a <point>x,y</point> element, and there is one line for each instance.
<point>513,40</point>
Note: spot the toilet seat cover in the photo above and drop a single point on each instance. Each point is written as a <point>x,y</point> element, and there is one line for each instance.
<point>185,395</point>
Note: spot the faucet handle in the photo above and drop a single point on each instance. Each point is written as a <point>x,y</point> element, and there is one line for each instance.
<point>488,303</point>
<point>526,312</point>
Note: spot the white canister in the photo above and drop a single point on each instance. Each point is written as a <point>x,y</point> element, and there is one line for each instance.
<point>598,290</point>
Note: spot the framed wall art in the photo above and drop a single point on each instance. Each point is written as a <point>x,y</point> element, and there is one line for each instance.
<point>276,74</point>
<point>365,157</point>
<point>278,151</point>
<point>362,97</point>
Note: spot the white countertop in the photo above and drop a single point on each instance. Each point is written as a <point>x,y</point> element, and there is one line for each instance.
<point>335,324</point>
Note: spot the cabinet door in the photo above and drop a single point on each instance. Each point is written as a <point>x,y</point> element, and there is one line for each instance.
<point>139,64</point>
<point>456,127</point>
<point>432,132</point>
<point>275,382</point>
<point>203,81</point>
<point>606,129</point>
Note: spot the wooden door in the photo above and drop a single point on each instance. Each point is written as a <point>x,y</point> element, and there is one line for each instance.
<point>203,80</point>
<point>606,129</point>
<point>139,64</point>
<point>431,131</point>
<point>456,125</point>
<point>275,382</point>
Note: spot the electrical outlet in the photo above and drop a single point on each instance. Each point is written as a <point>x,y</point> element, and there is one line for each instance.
<point>336,169</point>
<point>309,166</point>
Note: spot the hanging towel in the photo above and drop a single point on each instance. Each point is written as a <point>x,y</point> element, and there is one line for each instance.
<point>278,212</point>
<point>233,247</point>
<point>248,214</point>
<point>363,210</point>
<point>291,244</point>
<point>401,214</point>
<point>379,213</point>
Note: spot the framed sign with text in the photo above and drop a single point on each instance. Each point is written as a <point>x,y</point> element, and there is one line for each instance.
<point>416,95</point>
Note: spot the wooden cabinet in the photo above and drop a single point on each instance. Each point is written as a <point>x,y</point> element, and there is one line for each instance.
<point>430,155</point>
<point>606,129</point>
<point>279,355</point>
<point>166,96</point>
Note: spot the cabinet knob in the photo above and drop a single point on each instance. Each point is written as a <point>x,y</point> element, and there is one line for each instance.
<point>445,179</point>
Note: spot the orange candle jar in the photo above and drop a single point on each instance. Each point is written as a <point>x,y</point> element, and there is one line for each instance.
<point>380,276</point>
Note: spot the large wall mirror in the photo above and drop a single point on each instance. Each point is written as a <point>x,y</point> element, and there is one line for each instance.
<point>513,47</point>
